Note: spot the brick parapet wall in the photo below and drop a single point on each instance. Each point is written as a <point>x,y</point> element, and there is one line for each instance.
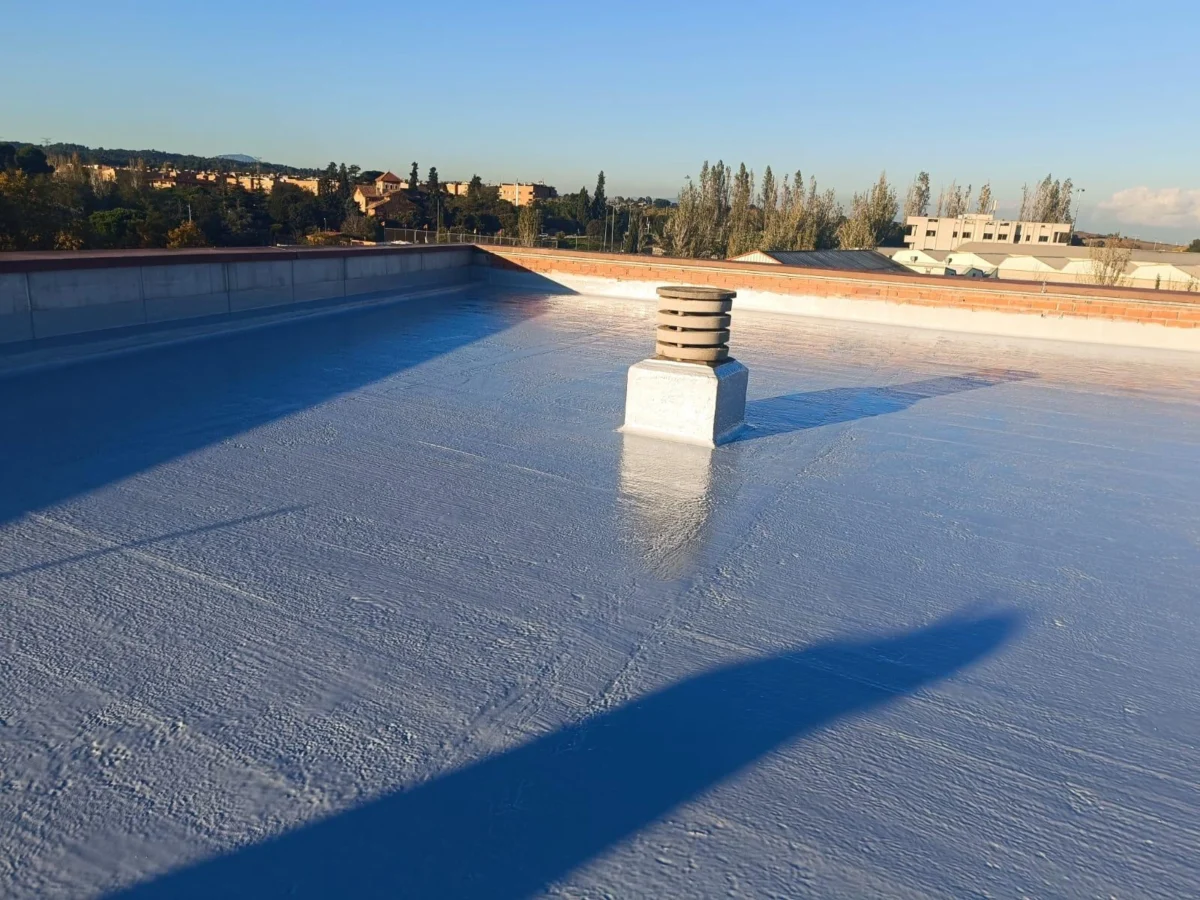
<point>1080,301</point>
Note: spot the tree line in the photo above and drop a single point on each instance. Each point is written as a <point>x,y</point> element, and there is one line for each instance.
<point>57,202</point>
<point>723,213</point>
<point>51,202</point>
<point>61,204</point>
<point>1048,200</point>
<point>159,159</point>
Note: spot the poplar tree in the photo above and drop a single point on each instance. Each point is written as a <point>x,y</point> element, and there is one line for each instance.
<point>529,224</point>
<point>742,233</point>
<point>768,201</point>
<point>985,199</point>
<point>872,215</point>
<point>599,201</point>
<point>916,201</point>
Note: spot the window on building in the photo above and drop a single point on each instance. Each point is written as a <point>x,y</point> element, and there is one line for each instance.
<point>1060,238</point>
<point>1028,238</point>
<point>1003,237</point>
<point>987,235</point>
<point>910,229</point>
<point>1043,238</point>
<point>967,235</point>
<point>955,234</point>
<point>931,233</point>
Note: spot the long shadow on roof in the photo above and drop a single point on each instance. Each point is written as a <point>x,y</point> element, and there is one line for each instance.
<point>513,823</point>
<point>67,431</point>
<point>811,409</point>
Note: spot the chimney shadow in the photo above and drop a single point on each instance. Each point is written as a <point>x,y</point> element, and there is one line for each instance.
<point>788,413</point>
<point>511,824</point>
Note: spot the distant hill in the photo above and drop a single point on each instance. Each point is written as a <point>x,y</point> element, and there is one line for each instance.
<point>158,158</point>
<point>1088,238</point>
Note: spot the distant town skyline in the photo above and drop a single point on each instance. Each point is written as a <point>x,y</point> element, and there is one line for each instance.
<point>531,92</point>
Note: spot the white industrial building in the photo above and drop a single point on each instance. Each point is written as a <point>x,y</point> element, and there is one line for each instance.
<point>1161,270</point>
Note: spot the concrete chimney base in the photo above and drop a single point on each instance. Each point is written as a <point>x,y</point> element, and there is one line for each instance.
<point>696,404</point>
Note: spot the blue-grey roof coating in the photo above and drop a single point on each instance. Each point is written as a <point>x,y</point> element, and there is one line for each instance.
<point>382,604</point>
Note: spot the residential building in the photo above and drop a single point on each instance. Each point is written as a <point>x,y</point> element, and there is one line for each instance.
<point>386,184</point>
<point>950,233</point>
<point>101,173</point>
<point>311,185</point>
<point>524,193</point>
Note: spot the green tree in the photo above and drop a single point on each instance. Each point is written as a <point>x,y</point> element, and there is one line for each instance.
<point>599,201</point>
<point>293,207</point>
<point>1050,201</point>
<point>529,224</point>
<point>583,207</point>
<point>8,157</point>
<point>327,181</point>
<point>698,226</point>
<point>243,221</point>
<point>414,182</point>
<point>633,234</point>
<point>113,229</point>
<point>818,215</point>
<point>1194,246</point>
<point>916,202</point>
<point>433,186</point>
<point>31,218</point>
<point>743,233</point>
<point>872,217</point>
<point>985,199</point>
<point>32,161</point>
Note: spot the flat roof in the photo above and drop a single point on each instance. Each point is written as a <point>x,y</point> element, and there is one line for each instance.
<point>1174,257</point>
<point>381,603</point>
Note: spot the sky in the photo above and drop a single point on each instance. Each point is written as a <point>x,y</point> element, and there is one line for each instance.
<point>1096,91</point>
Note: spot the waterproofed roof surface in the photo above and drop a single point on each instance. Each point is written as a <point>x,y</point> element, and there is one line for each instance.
<point>382,604</point>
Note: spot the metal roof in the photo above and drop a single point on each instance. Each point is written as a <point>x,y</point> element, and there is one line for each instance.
<point>848,260</point>
<point>1166,256</point>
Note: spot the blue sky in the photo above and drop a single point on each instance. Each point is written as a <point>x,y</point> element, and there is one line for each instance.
<point>1099,91</point>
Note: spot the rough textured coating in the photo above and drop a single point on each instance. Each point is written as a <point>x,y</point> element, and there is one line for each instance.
<point>1081,313</point>
<point>375,605</point>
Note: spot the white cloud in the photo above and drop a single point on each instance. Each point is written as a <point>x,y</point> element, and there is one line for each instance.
<point>1162,207</point>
